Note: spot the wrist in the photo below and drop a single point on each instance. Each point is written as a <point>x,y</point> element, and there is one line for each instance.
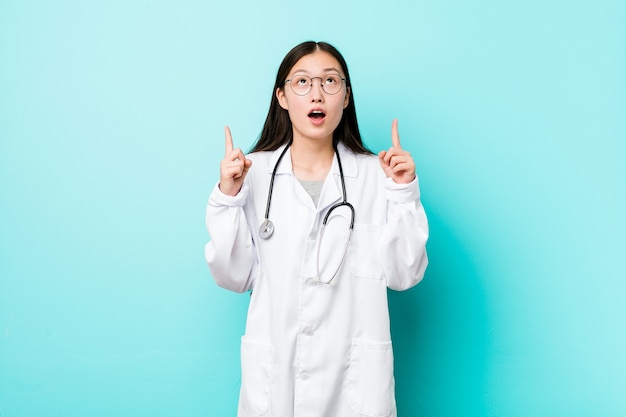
<point>229,189</point>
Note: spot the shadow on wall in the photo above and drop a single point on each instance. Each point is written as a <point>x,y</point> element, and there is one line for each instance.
<point>441,334</point>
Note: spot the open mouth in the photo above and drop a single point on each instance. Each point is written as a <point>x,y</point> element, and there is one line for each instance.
<point>317,115</point>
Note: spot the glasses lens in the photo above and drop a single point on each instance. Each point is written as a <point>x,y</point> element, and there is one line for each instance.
<point>331,84</point>
<point>301,85</point>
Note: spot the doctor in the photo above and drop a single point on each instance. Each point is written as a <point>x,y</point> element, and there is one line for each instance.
<point>317,341</point>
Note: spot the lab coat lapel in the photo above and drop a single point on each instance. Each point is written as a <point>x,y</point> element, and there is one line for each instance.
<point>286,168</point>
<point>332,192</point>
<point>285,164</point>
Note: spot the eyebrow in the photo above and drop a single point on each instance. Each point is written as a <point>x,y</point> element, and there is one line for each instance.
<point>325,70</point>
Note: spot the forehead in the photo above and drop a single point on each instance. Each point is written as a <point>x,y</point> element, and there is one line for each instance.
<point>316,63</point>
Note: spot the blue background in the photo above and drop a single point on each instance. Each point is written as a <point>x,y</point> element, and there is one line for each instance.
<point>111,132</point>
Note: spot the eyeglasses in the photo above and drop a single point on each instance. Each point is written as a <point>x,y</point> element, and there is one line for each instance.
<point>301,84</point>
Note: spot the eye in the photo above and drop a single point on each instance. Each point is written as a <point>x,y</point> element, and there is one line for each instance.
<point>301,80</point>
<point>334,79</point>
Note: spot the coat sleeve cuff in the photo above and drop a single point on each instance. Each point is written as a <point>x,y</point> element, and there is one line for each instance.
<point>402,193</point>
<point>218,198</point>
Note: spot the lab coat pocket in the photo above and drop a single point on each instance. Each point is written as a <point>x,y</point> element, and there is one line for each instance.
<point>256,365</point>
<point>363,253</point>
<point>370,379</point>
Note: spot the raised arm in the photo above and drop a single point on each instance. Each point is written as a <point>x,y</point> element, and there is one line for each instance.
<point>403,243</point>
<point>230,253</point>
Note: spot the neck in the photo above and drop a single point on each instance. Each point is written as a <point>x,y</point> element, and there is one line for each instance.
<point>311,160</point>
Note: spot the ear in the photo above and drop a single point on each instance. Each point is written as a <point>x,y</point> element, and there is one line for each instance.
<point>282,100</point>
<point>346,99</point>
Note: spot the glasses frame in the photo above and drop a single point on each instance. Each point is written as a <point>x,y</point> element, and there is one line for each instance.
<point>343,82</point>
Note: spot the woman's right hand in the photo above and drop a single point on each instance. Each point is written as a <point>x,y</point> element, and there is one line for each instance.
<point>233,168</point>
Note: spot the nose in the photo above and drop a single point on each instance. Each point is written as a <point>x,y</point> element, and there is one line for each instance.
<point>317,94</point>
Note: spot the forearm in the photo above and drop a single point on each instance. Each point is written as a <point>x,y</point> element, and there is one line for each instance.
<point>230,253</point>
<point>403,243</point>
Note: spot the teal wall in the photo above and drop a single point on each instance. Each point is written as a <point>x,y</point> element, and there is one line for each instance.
<point>111,132</point>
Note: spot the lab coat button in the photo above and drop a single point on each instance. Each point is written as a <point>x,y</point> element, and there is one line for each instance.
<point>304,376</point>
<point>308,331</point>
<point>311,282</point>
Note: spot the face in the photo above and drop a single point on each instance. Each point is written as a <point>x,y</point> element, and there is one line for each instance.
<point>316,115</point>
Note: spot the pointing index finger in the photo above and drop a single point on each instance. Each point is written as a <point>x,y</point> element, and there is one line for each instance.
<point>229,140</point>
<point>395,137</point>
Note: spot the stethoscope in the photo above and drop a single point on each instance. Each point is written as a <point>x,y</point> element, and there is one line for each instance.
<point>266,230</point>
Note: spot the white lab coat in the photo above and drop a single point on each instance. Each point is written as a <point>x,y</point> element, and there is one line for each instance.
<point>309,349</point>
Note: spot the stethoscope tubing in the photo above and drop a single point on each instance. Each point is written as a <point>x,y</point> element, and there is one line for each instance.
<point>266,229</point>
<point>344,202</point>
<point>271,189</point>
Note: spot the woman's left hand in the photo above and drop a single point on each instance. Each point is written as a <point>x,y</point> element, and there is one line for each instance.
<point>396,162</point>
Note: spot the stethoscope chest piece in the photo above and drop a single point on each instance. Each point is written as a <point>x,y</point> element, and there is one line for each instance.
<point>266,230</point>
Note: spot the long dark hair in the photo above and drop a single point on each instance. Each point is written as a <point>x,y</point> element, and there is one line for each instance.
<point>277,129</point>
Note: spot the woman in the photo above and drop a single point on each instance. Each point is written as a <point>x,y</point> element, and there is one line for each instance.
<point>317,340</point>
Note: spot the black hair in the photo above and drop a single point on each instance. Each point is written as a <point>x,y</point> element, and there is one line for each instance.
<point>278,130</point>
